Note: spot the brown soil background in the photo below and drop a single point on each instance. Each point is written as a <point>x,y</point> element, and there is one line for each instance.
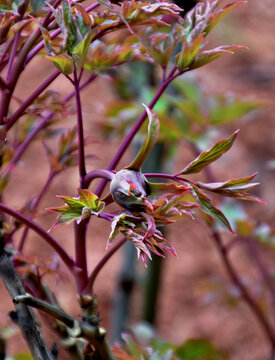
<point>182,313</point>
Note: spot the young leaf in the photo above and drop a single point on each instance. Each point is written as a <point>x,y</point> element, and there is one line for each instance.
<point>208,156</point>
<point>188,53</point>
<point>77,208</point>
<point>151,139</point>
<point>208,56</point>
<point>157,188</point>
<point>80,51</point>
<point>236,188</point>
<point>219,14</point>
<point>63,62</point>
<point>208,207</point>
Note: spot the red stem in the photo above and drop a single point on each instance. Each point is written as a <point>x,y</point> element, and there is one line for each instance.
<point>40,126</point>
<point>80,130</point>
<point>20,111</point>
<point>244,292</point>
<point>80,229</point>
<point>100,265</point>
<point>43,234</point>
<point>127,141</point>
<point>34,207</point>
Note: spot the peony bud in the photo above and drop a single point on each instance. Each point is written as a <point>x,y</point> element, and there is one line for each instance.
<point>129,188</point>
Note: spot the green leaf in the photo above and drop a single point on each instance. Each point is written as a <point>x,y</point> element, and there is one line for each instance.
<point>229,112</point>
<point>198,349</point>
<point>69,28</point>
<point>209,156</point>
<point>77,208</point>
<point>188,53</point>
<point>80,51</point>
<point>151,139</point>
<point>23,356</point>
<point>208,207</point>
<point>63,62</point>
<point>208,56</point>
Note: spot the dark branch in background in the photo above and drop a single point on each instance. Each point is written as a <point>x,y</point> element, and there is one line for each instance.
<point>24,316</point>
<point>93,334</point>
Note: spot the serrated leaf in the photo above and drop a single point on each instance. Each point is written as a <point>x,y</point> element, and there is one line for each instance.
<point>151,139</point>
<point>208,56</point>
<point>209,156</point>
<point>209,208</point>
<point>63,62</point>
<point>77,208</point>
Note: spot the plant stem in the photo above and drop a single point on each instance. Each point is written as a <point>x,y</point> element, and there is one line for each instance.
<point>127,141</point>
<point>46,307</point>
<point>13,54</point>
<point>245,294</point>
<point>20,111</point>
<point>40,126</point>
<point>34,207</point>
<point>90,286</point>
<point>80,130</point>
<point>259,262</point>
<point>43,234</point>
<point>95,174</point>
<point>80,230</point>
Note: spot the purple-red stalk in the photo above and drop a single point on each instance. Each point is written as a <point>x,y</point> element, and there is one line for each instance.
<point>127,141</point>
<point>68,261</point>
<point>34,207</point>
<point>90,286</point>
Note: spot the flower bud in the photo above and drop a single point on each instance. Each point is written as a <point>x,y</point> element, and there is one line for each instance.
<point>129,189</point>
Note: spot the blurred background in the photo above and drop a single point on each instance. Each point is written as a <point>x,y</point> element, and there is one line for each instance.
<point>195,297</point>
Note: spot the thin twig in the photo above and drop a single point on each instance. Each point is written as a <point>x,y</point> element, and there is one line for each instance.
<point>44,189</point>
<point>43,234</point>
<point>244,292</point>
<point>20,111</point>
<point>101,264</point>
<point>127,141</point>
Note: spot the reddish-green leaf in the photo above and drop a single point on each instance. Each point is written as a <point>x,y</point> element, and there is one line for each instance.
<point>208,156</point>
<point>208,56</point>
<point>77,208</point>
<point>157,188</point>
<point>151,139</point>
<point>219,14</point>
<point>235,188</point>
<point>208,207</point>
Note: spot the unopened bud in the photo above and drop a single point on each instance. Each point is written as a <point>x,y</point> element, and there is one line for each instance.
<point>129,188</point>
